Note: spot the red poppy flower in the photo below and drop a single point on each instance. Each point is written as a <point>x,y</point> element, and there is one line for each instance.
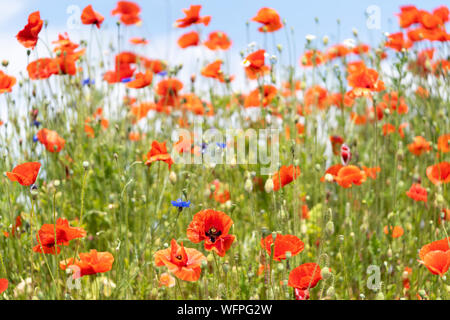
<point>156,66</point>
<point>25,174</point>
<point>89,16</point>
<point>29,35</point>
<point>42,68</point>
<point>159,153</point>
<point>221,193</point>
<point>339,100</point>
<point>363,80</point>
<point>141,80</point>
<point>128,11</point>
<point>136,41</point>
<point>349,175</point>
<point>332,172</point>
<point>285,176</point>
<point>184,263</point>
<point>3,285</point>
<point>371,172</point>
<point>397,42</point>
<point>190,39</point>
<point>254,64</point>
<point>214,70</point>
<point>408,16</point>
<point>316,96</point>
<point>14,227</point>
<point>212,227</point>
<point>64,233</point>
<point>301,294</point>
<point>254,99</point>
<point>218,40</point>
<point>439,173</point>
<point>196,105</point>
<point>283,244</point>
<point>336,143</point>
<point>51,140</point>
<point>396,232</point>
<point>337,51</point>
<point>443,143</point>
<point>140,111</point>
<point>417,193</point>
<point>166,280</point>
<point>419,146</point>
<point>89,263</point>
<point>305,276</point>
<point>269,18</point>
<point>168,90</point>
<point>192,17</point>
<point>6,82</point>
<point>436,256</point>
<point>123,71</point>
<point>312,58</point>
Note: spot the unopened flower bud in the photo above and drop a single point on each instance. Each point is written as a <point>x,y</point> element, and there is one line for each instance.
<point>269,185</point>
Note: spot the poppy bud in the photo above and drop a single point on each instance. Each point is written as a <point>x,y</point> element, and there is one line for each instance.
<point>346,154</point>
<point>248,186</point>
<point>173,177</point>
<point>325,273</point>
<point>5,63</point>
<point>269,185</point>
<point>325,40</point>
<point>380,296</point>
<point>331,292</point>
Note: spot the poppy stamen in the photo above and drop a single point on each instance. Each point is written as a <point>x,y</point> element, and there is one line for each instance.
<point>213,234</point>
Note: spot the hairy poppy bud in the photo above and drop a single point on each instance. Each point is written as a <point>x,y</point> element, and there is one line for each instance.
<point>248,186</point>
<point>269,185</point>
<point>331,292</point>
<point>380,296</point>
<point>173,177</point>
<point>326,274</point>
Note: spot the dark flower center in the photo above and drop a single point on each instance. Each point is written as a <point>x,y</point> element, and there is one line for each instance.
<point>213,234</point>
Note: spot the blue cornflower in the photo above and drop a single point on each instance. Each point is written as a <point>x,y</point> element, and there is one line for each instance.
<point>162,73</point>
<point>180,204</point>
<point>88,81</point>
<point>36,123</point>
<point>126,80</point>
<point>221,145</point>
<point>35,138</point>
<point>204,147</point>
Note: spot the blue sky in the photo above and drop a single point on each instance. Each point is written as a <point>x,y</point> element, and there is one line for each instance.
<point>229,16</point>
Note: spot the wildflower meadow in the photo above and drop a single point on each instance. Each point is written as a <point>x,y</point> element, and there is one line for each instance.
<point>289,168</point>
